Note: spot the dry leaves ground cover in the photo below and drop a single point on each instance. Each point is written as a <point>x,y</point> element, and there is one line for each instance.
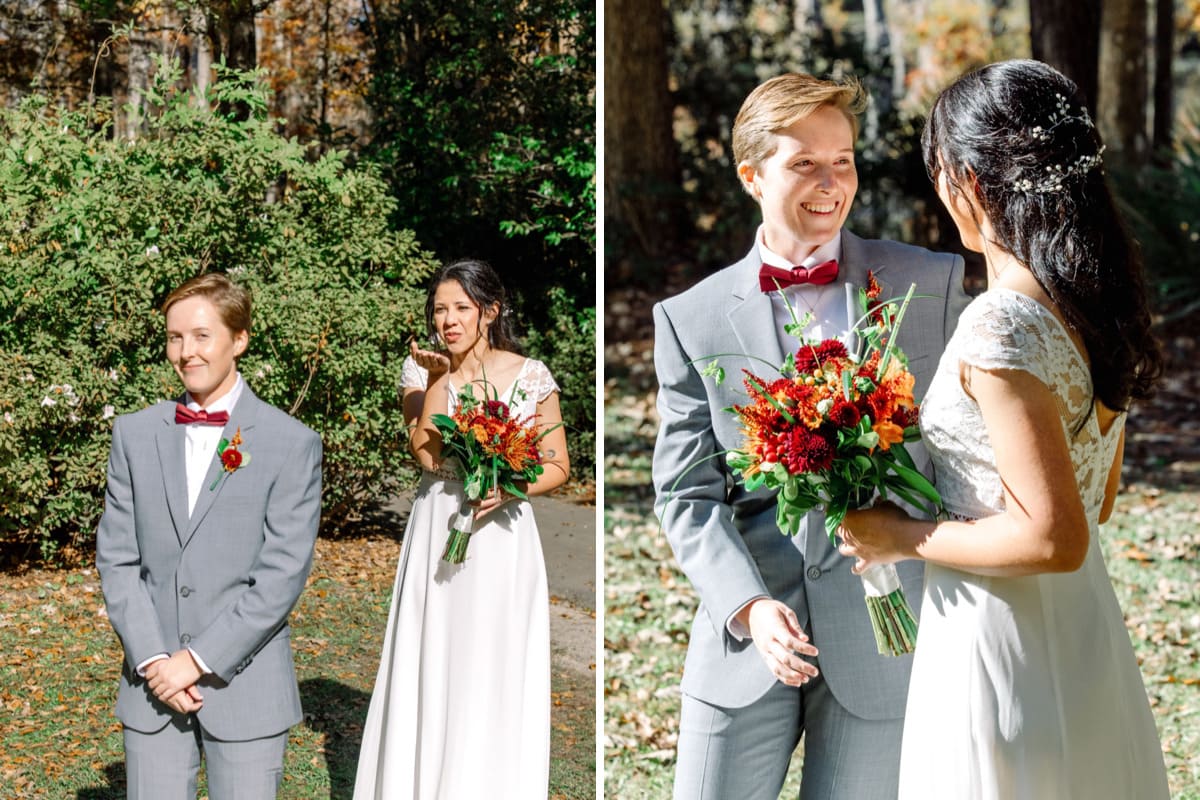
<point>1152,547</point>
<point>60,661</point>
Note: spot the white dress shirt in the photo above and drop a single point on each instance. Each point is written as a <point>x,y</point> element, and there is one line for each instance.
<point>827,302</point>
<point>200,448</point>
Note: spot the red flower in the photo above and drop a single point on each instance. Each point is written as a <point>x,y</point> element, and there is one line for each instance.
<point>806,451</point>
<point>495,408</point>
<point>809,358</point>
<point>844,415</point>
<point>231,458</point>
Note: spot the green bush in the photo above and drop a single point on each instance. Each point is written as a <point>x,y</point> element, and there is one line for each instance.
<point>568,348</point>
<point>98,231</point>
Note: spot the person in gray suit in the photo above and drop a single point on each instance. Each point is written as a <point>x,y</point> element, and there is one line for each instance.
<point>210,517</point>
<point>781,646</point>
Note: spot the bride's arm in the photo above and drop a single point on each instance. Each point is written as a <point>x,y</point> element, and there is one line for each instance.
<point>556,465</point>
<point>1044,527</point>
<point>425,441</point>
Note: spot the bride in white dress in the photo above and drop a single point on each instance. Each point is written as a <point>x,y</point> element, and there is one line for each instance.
<point>461,704</point>
<point>1024,682</point>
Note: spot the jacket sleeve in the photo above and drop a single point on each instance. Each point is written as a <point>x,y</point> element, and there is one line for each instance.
<point>692,489</point>
<point>119,562</point>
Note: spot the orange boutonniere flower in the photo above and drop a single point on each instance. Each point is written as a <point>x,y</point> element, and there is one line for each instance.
<point>232,459</point>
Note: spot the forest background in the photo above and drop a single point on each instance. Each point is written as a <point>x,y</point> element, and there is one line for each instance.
<point>329,152</point>
<point>675,74</point>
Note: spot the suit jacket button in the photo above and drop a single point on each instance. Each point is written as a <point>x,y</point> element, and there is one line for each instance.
<point>814,573</point>
<point>185,591</point>
<point>185,639</point>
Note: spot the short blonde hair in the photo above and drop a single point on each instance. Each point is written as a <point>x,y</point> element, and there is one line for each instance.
<point>232,301</point>
<point>784,99</point>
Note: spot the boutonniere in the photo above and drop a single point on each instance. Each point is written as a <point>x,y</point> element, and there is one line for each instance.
<point>232,459</point>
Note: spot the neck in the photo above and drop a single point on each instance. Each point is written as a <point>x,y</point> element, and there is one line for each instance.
<point>226,386</point>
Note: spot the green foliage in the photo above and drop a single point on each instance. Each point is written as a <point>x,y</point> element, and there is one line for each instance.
<point>567,345</point>
<point>485,127</point>
<point>98,231</point>
<point>1162,205</point>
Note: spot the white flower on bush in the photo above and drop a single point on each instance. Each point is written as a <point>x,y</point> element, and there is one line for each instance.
<point>28,377</point>
<point>73,417</point>
<point>9,418</point>
<point>152,250</point>
<point>48,401</point>
<point>109,412</point>
<point>113,375</point>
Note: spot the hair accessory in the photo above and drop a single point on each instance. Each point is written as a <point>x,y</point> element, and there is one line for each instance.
<point>1057,174</point>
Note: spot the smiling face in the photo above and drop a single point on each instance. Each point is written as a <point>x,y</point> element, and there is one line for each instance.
<point>806,186</point>
<point>202,348</point>
<point>457,319</point>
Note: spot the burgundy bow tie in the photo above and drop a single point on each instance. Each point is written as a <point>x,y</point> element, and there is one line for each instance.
<point>185,416</point>
<point>817,274</point>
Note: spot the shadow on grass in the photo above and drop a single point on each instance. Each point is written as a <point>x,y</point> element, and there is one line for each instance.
<point>339,712</point>
<point>114,773</point>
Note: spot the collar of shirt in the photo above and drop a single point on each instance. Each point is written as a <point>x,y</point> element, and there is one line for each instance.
<point>225,402</point>
<point>831,249</point>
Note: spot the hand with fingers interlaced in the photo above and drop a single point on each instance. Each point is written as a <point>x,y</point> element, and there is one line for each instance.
<point>780,640</point>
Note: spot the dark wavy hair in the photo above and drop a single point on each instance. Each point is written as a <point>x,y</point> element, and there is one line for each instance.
<point>1022,130</point>
<point>483,286</point>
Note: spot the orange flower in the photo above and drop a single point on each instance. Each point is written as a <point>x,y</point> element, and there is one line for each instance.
<point>889,434</point>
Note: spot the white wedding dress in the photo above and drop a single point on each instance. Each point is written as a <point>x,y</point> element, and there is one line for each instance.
<point>1022,687</point>
<point>461,705</point>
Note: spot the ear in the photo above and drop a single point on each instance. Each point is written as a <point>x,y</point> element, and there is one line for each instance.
<point>747,173</point>
<point>241,340</point>
<point>490,313</point>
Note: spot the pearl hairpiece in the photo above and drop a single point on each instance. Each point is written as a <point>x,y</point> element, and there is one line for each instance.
<point>1056,174</point>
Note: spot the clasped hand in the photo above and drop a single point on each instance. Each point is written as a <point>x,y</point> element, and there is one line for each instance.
<point>872,535</point>
<point>173,681</point>
<point>780,640</point>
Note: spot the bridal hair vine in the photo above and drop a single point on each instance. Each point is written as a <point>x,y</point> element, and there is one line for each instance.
<point>1055,176</point>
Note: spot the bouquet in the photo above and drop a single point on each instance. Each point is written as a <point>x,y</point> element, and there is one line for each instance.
<point>830,433</point>
<point>493,449</point>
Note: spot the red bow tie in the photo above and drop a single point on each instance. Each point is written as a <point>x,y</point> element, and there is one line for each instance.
<point>817,274</point>
<point>185,416</point>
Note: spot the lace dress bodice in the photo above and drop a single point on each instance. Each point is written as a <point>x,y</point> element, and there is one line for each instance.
<point>1004,329</point>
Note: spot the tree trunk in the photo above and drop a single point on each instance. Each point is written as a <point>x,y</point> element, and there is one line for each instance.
<point>1066,35</point>
<point>1123,81</point>
<point>1162,141</point>
<point>876,45</point>
<point>641,169</point>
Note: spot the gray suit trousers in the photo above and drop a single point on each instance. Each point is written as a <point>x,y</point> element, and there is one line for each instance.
<point>164,765</point>
<point>744,753</point>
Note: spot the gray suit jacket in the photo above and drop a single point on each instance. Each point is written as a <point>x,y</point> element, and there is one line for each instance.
<point>726,539</point>
<point>221,581</point>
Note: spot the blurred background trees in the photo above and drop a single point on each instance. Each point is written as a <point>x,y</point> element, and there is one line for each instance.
<point>1136,61</point>
<point>331,151</point>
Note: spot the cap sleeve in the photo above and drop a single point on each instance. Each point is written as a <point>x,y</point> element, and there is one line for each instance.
<point>537,382</point>
<point>1002,331</point>
<point>413,375</point>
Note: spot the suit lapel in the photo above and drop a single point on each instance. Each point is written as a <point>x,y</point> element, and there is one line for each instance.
<point>243,416</point>
<point>171,447</point>
<point>753,319</point>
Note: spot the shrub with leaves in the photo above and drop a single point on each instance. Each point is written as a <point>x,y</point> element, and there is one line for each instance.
<point>97,231</point>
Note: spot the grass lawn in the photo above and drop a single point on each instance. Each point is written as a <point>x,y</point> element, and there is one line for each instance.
<point>60,661</point>
<point>1152,547</point>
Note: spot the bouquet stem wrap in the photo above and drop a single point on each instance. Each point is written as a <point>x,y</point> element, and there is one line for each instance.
<point>892,619</point>
<point>460,535</point>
